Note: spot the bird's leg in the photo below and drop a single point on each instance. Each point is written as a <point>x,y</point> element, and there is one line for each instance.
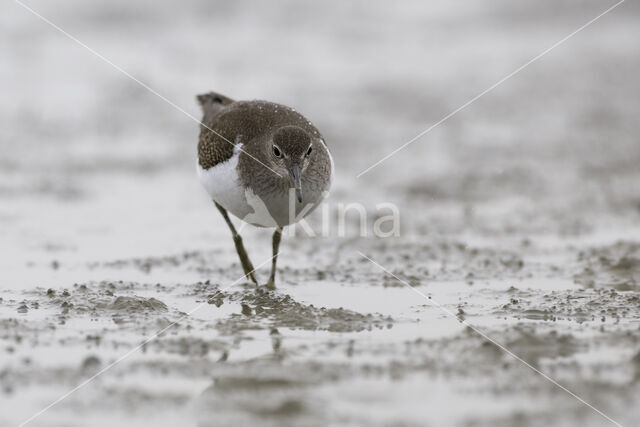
<point>277,236</point>
<point>237,239</point>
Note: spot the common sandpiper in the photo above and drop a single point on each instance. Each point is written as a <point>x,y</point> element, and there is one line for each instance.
<point>264,163</point>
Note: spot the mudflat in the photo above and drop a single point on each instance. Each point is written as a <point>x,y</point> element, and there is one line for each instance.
<point>519,218</point>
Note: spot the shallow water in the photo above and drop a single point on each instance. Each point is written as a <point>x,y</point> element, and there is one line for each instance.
<point>520,218</point>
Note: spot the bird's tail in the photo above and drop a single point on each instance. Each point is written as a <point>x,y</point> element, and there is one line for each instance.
<point>212,102</point>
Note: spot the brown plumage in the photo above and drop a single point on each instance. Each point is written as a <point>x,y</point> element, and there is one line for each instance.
<point>240,122</point>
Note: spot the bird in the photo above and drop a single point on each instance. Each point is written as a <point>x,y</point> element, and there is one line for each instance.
<point>264,163</point>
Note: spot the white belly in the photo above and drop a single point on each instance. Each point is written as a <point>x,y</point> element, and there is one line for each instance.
<point>225,187</point>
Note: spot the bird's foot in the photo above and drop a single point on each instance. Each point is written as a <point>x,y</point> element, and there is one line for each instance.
<point>251,277</point>
<point>271,285</point>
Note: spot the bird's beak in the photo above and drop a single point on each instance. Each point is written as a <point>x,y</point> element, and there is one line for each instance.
<point>294,175</point>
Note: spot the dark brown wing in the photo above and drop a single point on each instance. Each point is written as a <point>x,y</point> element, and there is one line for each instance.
<point>212,148</point>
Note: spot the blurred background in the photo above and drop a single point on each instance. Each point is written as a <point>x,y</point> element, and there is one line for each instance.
<point>97,182</point>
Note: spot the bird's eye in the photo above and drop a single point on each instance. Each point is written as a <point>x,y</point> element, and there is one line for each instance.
<point>309,150</point>
<point>276,152</point>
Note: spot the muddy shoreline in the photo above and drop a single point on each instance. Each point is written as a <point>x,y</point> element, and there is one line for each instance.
<point>519,217</point>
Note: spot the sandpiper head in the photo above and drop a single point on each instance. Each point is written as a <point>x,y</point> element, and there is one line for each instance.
<point>291,149</point>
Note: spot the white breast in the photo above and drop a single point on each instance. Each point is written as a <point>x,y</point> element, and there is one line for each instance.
<point>223,185</point>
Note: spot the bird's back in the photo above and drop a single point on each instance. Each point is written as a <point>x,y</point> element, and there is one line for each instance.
<point>236,122</point>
